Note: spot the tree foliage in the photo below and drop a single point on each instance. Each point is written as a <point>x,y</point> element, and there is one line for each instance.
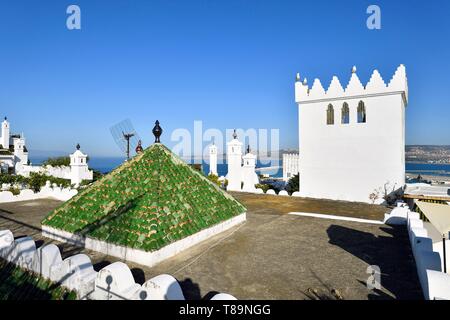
<point>35,182</point>
<point>293,184</point>
<point>215,179</point>
<point>57,162</point>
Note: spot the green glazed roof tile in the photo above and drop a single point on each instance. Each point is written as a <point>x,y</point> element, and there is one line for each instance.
<point>147,203</point>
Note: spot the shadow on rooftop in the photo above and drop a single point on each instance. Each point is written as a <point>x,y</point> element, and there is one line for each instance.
<point>391,253</point>
<point>191,290</point>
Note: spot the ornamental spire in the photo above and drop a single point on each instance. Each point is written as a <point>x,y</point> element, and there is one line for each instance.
<point>157,132</point>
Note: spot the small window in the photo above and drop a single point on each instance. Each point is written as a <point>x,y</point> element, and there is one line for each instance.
<point>330,114</point>
<point>361,112</point>
<point>345,113</point>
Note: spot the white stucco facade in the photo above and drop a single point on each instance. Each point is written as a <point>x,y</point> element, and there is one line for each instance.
<point>350,161</point>
<point>291,163</point>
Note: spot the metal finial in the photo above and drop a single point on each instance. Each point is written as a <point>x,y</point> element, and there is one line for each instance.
<point>305,82</point>
<point>157,132</point>
<point>235,134</point>
<point>78,146</point>
<point>139,147</point>
<point>6,118</point>
<point>354,69</point>
<point>297,77</point>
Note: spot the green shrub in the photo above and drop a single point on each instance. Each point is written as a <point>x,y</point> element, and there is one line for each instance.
<point>293,184</point>
<point>38,180</point>
<point>264,187</point>
<point>215,179</point>
<point>57,162</point>
<point>15,191</point>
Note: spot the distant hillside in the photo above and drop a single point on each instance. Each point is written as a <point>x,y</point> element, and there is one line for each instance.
<point>427,153</point>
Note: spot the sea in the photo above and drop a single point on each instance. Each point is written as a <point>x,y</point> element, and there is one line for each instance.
<point>107,164</point>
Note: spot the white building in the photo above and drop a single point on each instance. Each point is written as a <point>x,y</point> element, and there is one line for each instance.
<point>14,160</point>
<point>13,151</point>
<point>352,140</point>
<point>213,159</point>
<point>79,169</point>
<point>290,165</point>
<point>76,172</point>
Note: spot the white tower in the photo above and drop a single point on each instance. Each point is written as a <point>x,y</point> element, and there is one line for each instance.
<point>234,160</point>
<point>249,176</point>
<point>352,140</point>
<point>79,169</point>
<point>4,141</point>
<point>213,159</point>
<point>20,152</point>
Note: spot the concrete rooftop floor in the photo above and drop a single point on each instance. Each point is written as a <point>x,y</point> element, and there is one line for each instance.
<point>273,255</point>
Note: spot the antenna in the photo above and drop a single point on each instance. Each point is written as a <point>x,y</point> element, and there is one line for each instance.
<point>125,136</point>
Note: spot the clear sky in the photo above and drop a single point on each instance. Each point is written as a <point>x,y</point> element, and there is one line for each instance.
<point>229,63</point>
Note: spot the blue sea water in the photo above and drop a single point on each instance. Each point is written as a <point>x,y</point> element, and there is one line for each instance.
<point>442,170</point>
<point>107,164</point>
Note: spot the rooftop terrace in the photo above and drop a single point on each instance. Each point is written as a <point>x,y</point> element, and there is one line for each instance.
<point>273,255</point>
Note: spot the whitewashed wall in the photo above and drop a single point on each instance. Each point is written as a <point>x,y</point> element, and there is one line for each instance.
<point>48,191</point>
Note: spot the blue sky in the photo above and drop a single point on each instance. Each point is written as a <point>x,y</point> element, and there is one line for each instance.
<point>228,63</point>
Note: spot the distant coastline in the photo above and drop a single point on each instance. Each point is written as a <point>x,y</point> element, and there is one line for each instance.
<point>429,171</point>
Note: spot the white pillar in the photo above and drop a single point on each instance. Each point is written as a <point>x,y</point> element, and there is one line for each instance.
<point>213,160</point>
<point>249,176</point>
<point>234,161</point>
<point>4,141</point>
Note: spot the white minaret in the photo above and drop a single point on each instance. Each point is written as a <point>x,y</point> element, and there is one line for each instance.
<point>249,176</point>
<point>4,141</point>
<point>234,160</point>
<point>213,159</point>
<point>79,169</point>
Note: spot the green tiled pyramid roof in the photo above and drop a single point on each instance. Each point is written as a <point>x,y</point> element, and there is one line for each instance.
<point>147,203</point>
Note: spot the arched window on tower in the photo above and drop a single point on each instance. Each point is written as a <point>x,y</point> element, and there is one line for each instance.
<point>345,113</point>
<point>361,112</point>
<point>330,114</point>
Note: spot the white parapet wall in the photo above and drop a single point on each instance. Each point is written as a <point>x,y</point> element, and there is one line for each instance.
<point>139,256</point>
<point>47,192</point>
<point>114,282</point>
<point>435,284</point>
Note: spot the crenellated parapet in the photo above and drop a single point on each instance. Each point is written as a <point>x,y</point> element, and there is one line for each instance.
<point>354,89</point>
